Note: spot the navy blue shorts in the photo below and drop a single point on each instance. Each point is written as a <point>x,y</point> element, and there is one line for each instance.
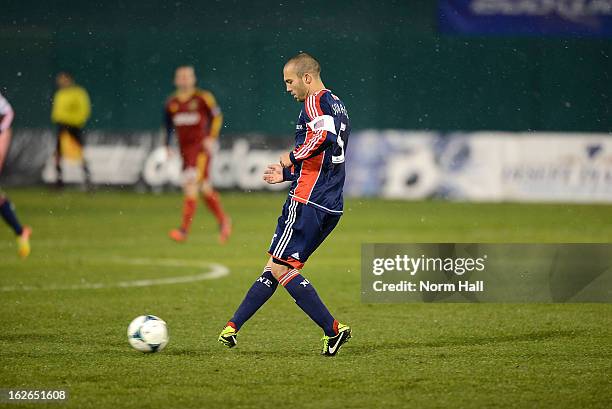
<point>300,230</point>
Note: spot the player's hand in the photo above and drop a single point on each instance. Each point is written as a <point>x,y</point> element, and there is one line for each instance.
<point>210,144</point>
<point>273,174</point>
<point>285,161</point>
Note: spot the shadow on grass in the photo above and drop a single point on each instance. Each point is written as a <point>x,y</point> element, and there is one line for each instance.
<point>363,348</point>
<point>238,352</point>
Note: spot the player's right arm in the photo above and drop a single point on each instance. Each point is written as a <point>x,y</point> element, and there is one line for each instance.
<point>289,174</point>
<point>55,108</point>
<point>168,125</point>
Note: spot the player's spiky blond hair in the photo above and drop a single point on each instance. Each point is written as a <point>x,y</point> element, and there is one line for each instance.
<point>305,63</point>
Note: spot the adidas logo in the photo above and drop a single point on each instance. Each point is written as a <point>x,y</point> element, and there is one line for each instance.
<point>296,256</point>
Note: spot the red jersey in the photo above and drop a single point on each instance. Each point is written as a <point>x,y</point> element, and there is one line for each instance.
<point>194,118</point>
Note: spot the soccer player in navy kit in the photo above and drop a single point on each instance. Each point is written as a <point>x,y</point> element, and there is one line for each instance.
<point>314,206</point>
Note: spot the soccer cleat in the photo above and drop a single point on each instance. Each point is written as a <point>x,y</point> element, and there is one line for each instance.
<point>225,230</point>
<point>331,345</point>
<point>178,235</point>
<point>228,336</point>
<point>23,242</point>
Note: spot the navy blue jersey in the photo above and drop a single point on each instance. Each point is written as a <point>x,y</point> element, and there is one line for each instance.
<point>321,139</point>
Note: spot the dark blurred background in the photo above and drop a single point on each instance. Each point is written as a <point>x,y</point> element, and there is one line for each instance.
<point>386,59</point>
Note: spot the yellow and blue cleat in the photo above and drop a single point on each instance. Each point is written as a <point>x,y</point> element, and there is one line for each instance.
<point>331,345</point>
<point>228,336</point>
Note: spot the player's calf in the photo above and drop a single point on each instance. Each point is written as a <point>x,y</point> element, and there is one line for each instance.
<point>307,298</point>
<point>259,293</point>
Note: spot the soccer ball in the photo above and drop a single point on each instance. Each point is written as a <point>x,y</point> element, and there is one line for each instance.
<point>148,333</point>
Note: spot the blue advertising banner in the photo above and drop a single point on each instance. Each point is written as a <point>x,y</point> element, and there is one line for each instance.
<point>480,166</point>
<point>526,17</point>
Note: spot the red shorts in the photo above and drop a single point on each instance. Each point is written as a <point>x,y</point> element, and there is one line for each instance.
<point>195,158</point>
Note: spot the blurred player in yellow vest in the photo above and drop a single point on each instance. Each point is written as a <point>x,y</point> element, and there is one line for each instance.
<point>71,110</point>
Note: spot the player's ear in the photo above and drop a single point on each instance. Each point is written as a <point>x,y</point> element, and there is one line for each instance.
<point>307,78</point>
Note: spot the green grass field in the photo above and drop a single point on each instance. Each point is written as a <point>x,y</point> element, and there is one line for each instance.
<point>408,355</point>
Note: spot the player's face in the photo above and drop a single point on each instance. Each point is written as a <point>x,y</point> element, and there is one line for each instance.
<point>295,85</point>
<point>184,78</point>
<point>63,81</point>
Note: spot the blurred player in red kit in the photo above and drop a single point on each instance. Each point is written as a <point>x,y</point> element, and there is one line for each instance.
<point>195,117</point>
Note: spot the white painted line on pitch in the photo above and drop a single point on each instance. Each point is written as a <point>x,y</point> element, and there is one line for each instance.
<point>214,271</point>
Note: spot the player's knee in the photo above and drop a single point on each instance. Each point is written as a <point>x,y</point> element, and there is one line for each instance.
<point>278,270</point>
<point>206,188</point>
<point>190,189</point>
<point>190,175</point>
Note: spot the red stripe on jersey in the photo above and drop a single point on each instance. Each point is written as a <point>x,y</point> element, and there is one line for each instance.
<point>311,169</point>
<point>313,105</point>
<point>310,111</point>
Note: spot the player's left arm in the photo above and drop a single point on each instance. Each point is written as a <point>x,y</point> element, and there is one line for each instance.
<point>168,125</point>
<point>215,112</point>
<point>85,106</point>
<point>82,106</point>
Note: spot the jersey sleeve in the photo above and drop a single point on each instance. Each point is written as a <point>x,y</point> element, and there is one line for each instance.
<point>320,131</point>
<point>289,174</point>
<point>215,112</point>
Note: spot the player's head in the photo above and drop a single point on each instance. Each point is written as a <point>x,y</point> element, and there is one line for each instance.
<point>64,79</point>
<point>302,73</point>
<point>185,78</point>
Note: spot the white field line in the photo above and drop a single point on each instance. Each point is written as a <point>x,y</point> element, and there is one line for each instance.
<point>214,271</point>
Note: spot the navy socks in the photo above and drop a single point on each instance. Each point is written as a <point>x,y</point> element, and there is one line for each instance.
<point>308,300</point>
<point>258,294</point>
<point>8,214</point>
<point>298,287</point>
